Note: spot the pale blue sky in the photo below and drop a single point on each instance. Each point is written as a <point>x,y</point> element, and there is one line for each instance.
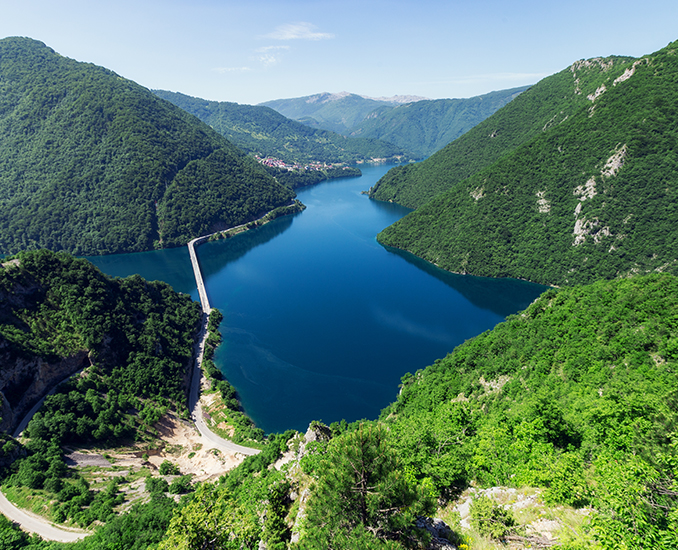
<point>251,51</point>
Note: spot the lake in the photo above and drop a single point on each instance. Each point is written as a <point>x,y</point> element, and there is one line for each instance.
<point>320,320</point>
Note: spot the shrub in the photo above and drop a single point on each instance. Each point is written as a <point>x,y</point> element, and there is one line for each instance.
<point>491,519</point>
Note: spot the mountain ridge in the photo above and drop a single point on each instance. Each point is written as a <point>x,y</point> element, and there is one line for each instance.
<point>543,106</point>
<point>89,162</point>
<point>422,126</point>
<point>262,131</point>
<point>589,198</point>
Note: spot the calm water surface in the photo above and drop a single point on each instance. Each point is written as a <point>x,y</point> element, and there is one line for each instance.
<point>320,321</point>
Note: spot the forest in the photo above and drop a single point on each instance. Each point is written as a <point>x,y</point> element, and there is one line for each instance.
<point>592,197</point>
<point>259,130</point>
<point>92,163</point>
<point>139,337</point>
<point>575,396</point>
<point>573,400</point>
<point>543,106</point>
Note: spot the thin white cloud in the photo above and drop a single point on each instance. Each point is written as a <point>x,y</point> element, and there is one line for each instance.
<point>270,55</point>
<point>271,49</point>
<point>298,31</point>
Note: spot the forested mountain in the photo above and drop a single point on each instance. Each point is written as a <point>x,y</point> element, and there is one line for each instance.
<point>425,127</point>
<point>419,126</point>
<point>95,164</point>
<point>61,314</point>
<point>262,131</point>
<point>131,342</point>
<point>574,400</point>
<point>577,394</point>
<point>591,196</point>
<point>336,112</point>
<point>545,105</point>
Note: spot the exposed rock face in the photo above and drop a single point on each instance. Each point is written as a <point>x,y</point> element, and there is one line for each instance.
<point>316,432</point>
<point>23,381</point>
<point>439,531</point>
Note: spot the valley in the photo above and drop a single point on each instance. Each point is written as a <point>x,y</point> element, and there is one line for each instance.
<point>473,351</point>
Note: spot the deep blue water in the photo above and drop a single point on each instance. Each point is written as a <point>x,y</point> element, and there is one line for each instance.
<point>320,321</point>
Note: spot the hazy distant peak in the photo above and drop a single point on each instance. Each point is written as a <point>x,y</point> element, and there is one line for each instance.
<point>398,98</point>
<point>327,97</point>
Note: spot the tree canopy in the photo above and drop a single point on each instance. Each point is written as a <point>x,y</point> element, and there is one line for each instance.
<point>91,162</point>
<point>592,197</point>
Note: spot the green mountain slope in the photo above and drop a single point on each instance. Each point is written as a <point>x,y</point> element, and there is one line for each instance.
<point>575,398</point>
<point>425,127</point>
<point>262,131</point>
<point>96,164</point>
<point>593,197</point>
<point>544,106</point>
<point>335,112</point>
<point>131,342</point>
<point>415,124</point>
<point>576,394</point>
<point>62,314</point>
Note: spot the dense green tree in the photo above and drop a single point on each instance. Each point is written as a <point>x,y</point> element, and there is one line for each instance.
<point>542,107</point>
<point>91,162</point>
<point>575,395</point>
<point>212,520</point>
<point>361,485</point>
<point>590,198</point>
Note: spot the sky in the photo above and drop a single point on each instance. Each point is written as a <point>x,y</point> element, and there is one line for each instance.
<point>251,51</point>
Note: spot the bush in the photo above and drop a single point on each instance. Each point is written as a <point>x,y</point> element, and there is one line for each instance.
<point>181,485</point>
<point>156,485</point>
<point>168,468</point>
<point>491,519</point>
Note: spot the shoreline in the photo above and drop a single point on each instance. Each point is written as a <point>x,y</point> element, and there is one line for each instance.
<point>295,207</point>
<point>197,375</point>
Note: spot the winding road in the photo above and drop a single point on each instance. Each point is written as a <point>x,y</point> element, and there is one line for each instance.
<point>194,400</point>
<point>47,530</point>
<point>37,524</point>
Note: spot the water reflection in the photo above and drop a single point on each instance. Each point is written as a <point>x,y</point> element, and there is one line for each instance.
<point>171,265</point>
<point>215,255</point>
<point>501,296</point>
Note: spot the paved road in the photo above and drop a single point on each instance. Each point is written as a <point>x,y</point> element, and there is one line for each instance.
<point>34,524</point>
<point>194,402</point>
<point>49,531</point>
<point>194,395</point>
<point>27,418</point>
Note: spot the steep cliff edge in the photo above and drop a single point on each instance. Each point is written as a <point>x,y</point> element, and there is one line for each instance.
<point>25,381</point>
<point>60,315</point>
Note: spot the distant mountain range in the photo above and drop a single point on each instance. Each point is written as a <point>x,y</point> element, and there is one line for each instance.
<point>416,124</point>
<point>94,164</point>
<point>262,131</point>
<point>574,181</point>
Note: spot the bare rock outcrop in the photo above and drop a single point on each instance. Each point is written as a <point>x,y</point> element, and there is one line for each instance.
<point>24,381</point>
